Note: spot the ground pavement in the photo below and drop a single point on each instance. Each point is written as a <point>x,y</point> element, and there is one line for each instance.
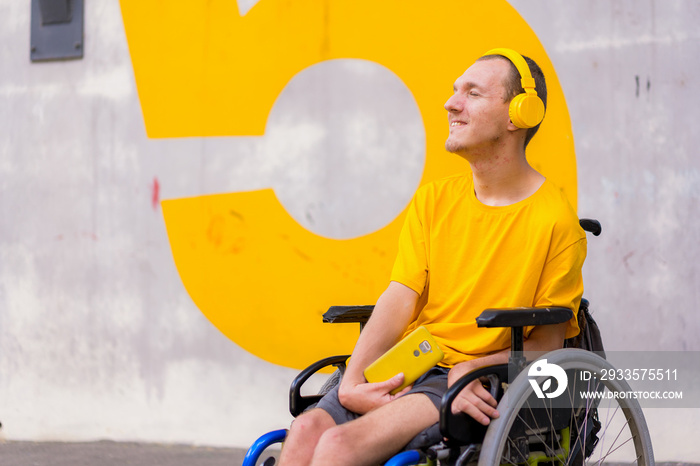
<point>107,453</point>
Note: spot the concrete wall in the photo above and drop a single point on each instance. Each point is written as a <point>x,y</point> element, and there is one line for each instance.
<point>98,337</point>
<point>628,72</point>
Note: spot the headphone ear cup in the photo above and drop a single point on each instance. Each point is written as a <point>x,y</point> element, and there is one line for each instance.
<point>526,110</point>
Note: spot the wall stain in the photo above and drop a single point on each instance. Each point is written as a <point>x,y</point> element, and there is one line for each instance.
<point>625,260</point>
<point>237,215</point>
<point>155,193</point>
<point>301,254</point>
<point>215,230</point>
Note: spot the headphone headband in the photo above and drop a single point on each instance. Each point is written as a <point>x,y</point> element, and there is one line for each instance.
<point>526,110</point>
<point>526,79</point>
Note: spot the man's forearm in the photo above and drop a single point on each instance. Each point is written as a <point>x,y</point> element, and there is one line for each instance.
<point>389,320</point>
<point>541,339</point>
<point>463,368</point>
<point>474,399</point>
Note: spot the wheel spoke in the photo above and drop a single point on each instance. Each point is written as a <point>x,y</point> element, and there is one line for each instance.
<point>575,420</point>
<point>609,452</point>
<point>608,420</point>
<point>524,428</point>
<point>536,430</point>
<point>513,444</point>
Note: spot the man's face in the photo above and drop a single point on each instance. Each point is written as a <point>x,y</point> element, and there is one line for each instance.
<point>477,114</point>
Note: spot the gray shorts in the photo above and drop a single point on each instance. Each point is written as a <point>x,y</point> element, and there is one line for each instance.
<point>433,384</point>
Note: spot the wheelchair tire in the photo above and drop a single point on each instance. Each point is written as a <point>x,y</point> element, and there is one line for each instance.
<point>622,440</point>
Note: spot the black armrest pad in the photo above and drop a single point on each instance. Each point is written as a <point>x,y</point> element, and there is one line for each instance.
<point>343,314</point>
<point>523,316</point>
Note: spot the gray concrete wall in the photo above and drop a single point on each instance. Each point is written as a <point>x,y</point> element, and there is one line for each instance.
<point>630,77</point>
<point>99,339</point>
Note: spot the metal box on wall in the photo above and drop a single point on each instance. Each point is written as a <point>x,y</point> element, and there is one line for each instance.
<point>56,30</point>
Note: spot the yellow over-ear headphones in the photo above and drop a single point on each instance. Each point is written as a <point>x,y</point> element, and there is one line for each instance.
<point>527,109</point>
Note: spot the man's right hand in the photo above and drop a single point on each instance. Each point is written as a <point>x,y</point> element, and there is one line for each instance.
<point>474,399</point>
<point>364,397</point>
<point>389,321</point>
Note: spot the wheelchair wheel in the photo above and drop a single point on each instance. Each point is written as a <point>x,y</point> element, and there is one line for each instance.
<point>574,429</point>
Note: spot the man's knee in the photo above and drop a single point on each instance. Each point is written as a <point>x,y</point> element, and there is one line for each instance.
<point>303,436</point>
<point>338,440</point>
<point>312,423</point>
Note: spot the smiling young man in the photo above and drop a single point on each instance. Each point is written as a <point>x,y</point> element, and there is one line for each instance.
<point>500,236</point>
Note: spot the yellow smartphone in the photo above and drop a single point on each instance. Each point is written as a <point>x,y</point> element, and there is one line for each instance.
<point>413,356</point>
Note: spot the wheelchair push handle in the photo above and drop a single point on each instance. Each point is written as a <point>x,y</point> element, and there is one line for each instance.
<point>591,226</point>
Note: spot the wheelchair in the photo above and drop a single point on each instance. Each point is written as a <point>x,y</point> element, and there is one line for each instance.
<point>586,424</point>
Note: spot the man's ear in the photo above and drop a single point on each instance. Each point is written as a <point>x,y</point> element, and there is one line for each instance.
<point>511,126</point>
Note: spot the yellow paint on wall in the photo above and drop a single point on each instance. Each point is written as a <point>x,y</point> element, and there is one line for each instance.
<point>203,70</point>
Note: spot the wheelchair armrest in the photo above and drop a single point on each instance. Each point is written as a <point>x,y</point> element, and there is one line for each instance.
<point>299,403</point>
<point>343,314</point>
<point>461,428</point>
<point>518,317</point>
<point>523,316</point>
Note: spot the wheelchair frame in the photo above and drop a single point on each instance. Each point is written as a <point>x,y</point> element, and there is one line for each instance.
<point>507,437</point>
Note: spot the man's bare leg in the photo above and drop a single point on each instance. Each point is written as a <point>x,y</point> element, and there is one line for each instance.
<point>377,435</point>
<point>303,436</point>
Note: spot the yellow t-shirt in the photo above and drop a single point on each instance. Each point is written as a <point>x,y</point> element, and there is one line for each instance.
<point>462,257</point>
